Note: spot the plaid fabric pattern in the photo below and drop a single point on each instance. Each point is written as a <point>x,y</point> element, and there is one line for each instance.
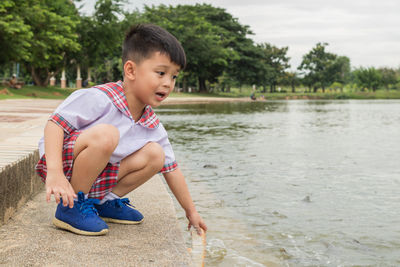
<point>116,93</point>
<point>106,180</point>
<point>149,118</point>
<point>169,167</point>
<point>63,123</point>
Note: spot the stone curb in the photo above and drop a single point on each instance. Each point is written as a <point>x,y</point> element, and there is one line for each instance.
<point>18,184</point>
<point>28,237</point>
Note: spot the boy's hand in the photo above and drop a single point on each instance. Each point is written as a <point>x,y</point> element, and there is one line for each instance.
<point>197,222</point>
<point>59,186</point>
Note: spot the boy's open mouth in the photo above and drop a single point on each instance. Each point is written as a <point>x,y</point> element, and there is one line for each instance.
<point>160,94</point>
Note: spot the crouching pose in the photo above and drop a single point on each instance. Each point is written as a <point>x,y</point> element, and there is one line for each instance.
<point>103,142</point>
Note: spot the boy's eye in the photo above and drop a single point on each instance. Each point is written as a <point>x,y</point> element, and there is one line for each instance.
<point>174,77</point>
<point>161,73</point>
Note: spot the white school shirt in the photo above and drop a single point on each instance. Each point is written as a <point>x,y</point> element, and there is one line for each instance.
<point>106,104</point>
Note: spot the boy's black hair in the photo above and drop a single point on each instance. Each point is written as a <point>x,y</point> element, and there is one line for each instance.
<point>144,39</point>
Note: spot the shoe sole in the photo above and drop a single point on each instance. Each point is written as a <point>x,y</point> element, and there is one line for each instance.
<point>66,226</point>
<point>111,220</point>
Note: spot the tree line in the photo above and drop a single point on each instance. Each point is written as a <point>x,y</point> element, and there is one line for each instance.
<point>46,36</point>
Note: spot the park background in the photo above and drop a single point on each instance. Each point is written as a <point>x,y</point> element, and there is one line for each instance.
<point>40,39</point>
<point>280,183</point>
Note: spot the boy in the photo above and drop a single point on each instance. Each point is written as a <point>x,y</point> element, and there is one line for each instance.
<point>101,143</point>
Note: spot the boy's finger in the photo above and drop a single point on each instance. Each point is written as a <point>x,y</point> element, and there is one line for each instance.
<point>71,201</point>
<point>48,194</point>
<point>64,199</point>
<point>73,192</point>
<point>199,230</point>
<point>57,197</point>
<point>196,227</point>
<point>203,226</point>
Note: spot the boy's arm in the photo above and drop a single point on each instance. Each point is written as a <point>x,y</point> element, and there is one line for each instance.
<point>56,182</point>
<point>177,184</point>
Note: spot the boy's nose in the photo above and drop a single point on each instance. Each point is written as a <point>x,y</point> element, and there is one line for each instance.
<point>168,82</point>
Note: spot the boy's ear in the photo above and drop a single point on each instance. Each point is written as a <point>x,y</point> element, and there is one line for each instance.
<point>130,70</point>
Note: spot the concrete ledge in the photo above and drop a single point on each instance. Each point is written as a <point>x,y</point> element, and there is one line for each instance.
<point>18,183</point>
<point>21,125</point>
<point>29,238</point>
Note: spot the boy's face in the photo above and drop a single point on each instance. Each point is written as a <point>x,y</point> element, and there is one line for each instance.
<point>154,79</point>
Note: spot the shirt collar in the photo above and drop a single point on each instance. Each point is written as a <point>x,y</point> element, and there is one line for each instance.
<point>116,93</point>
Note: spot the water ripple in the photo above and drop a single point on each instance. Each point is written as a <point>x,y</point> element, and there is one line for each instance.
<point>293,183</point>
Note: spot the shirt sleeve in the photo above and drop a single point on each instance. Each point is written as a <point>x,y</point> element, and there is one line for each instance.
<point>80,109</point>
<point>170,163</point>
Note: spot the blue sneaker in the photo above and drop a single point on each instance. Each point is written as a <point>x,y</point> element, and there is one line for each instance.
<point>119,211</point>
<point>82,219</point>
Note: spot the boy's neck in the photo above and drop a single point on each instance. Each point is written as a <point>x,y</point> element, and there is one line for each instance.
<point>135,107</point>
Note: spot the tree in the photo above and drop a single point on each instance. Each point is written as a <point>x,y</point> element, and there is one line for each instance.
<point>15,35</point>
<point>87,56</point>
<point>389,77</point>
<point>368,78</point>
<point>203,42</point>
<point>243,63</point>
<point>247,68</point>
<point>291,79</point>
<point>53,23</point>
<point>275,61</point>
<point>341,69</point>
<point>101,36</point>
<point>319,67</point>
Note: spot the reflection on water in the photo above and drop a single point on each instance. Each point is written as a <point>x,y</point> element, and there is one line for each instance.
<point>293,183</point>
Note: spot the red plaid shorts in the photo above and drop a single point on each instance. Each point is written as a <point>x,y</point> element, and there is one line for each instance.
<point>106,180</point>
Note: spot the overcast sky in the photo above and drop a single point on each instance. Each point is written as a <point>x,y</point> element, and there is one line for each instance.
<point>366,31</point>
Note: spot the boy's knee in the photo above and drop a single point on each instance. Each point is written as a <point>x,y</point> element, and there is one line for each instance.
<point>156,154</point>
<point>106,137</point>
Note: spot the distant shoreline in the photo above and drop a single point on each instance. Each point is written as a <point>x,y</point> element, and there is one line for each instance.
<point>36,92</point>
<point>202,100</point>
<point>174,100</point>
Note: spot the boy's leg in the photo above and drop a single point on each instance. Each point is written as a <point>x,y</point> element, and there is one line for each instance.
<point>139,167</point>
<point>134,170</point>
<point>92,152</point>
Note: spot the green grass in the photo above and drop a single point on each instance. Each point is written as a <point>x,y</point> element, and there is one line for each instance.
<point>301,94</point>
<point>235,92</point>
<point>50,92</point>
<point>380,94</point>
<point>174,94</point>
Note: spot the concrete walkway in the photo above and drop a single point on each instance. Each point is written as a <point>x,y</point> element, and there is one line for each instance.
<point>21,125</point>
<point>27,237</point>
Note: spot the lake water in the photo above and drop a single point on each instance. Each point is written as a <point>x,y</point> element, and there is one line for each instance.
<point>293,183</point>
